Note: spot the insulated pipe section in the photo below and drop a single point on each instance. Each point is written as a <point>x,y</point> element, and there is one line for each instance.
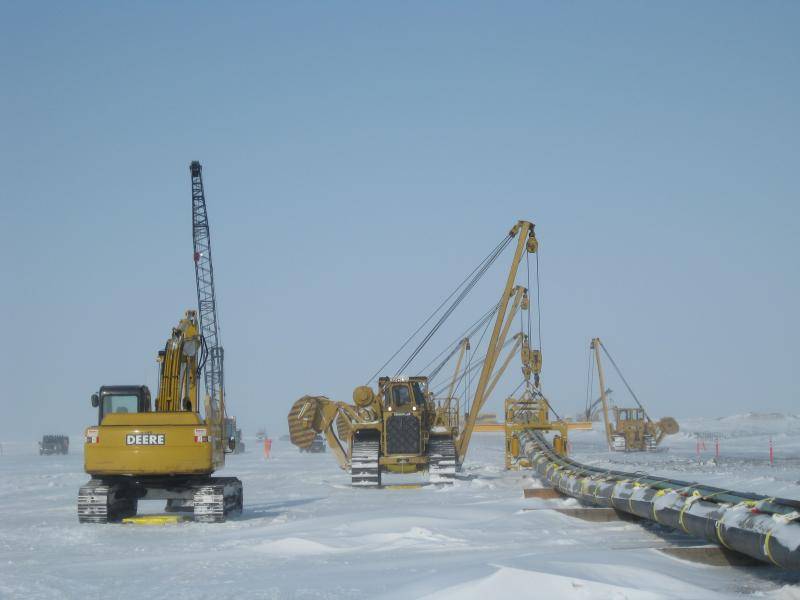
<point>767,529</point>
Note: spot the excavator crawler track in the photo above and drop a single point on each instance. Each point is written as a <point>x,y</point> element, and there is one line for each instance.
<point>103,502</point>
<point>210,499</point>
<point>214,502</point>
<point>365,469</point>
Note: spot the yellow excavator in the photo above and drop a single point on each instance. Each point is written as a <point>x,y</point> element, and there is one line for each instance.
<point>167,452</point>
<point>633,430</point>
<point>403,426</point>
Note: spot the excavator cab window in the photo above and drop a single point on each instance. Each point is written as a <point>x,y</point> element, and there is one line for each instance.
<point>119,403</point>
<point>122,402</point>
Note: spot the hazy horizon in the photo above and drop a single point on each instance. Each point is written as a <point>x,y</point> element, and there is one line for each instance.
<point>359,160</point>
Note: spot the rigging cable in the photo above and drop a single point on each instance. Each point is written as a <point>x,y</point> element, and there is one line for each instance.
<point>441,365</point>
<point>621,376</point>
<point>516,389</point>
<point>528,267</point>
<point>467,334</point>
<point>473,367</point>
<point>201,364</point>
<point>433,314</point>
<point>467,289</point>
<point>538,301</point>
<point>550,406</point>
<point>468,384</point>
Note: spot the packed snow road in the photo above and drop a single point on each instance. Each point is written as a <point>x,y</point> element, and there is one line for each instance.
<point>305,533</point>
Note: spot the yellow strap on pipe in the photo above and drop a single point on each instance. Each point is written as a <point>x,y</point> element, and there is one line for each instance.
<point>687,503</point>
<point>767,551</point>
<point>630,498</point>
<point>718,528</point>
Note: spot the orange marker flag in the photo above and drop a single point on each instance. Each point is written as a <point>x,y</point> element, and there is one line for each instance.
<point>267,447</point>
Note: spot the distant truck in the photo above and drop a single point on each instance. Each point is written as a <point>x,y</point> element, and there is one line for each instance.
<point>54,444</point>
<point>317,446</point>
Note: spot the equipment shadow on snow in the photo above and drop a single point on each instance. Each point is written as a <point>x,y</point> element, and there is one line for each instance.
<point>472,476</point>
<point>272,509</point>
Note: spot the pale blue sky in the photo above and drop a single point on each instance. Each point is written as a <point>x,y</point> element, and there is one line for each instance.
<point>351,147</point>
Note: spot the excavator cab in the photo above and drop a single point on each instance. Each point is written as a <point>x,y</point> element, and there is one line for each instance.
<point>121,399</point>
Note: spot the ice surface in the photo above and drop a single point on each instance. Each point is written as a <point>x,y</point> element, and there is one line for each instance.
<point>305,533</point>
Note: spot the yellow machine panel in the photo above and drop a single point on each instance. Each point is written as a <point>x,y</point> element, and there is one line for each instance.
<point>149,444</point>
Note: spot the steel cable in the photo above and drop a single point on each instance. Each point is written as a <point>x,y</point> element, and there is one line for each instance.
<point>467,289</point>
<point>493,253</point>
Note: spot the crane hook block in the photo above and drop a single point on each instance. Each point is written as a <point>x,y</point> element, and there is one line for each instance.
<point>533,243</point>
<point>536,361</point>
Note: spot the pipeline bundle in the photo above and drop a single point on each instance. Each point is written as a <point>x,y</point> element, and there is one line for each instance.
<point>767,529</point>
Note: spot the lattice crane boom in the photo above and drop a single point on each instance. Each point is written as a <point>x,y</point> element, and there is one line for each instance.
<point>206,295</point>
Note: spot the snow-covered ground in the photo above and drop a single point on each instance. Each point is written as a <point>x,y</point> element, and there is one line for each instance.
<point>305,533</point>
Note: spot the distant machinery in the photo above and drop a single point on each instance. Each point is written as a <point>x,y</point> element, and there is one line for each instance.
<point>633,430</point>
<point>232,432</point>
<point>594,410</point>
<point>317,445</point>
<point>54,444</point>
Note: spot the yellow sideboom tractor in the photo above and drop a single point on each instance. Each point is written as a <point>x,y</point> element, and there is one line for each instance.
<point>403,425</point>
<point>632,430</point>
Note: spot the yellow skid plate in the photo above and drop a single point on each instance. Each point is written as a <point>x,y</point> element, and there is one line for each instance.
<point>154,520</point>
